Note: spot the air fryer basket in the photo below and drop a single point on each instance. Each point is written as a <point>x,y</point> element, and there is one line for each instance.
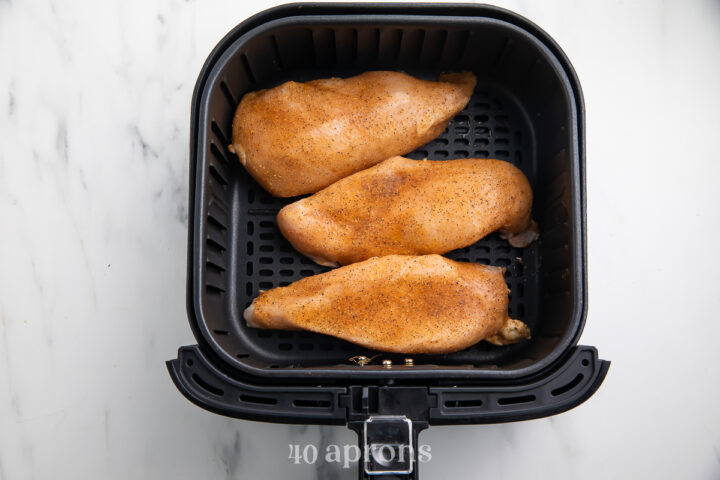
<point>523,111</point>
<point>527,109</point>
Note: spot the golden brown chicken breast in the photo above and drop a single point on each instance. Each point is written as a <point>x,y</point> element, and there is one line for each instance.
<point>300,137</point>
<point>403,304</point>
<point>411,207</point>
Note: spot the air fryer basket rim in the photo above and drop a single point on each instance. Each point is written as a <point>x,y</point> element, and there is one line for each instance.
<point>555,57</point>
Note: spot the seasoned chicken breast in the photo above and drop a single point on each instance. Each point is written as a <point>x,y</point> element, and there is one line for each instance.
<point>403,304</point>
<point>411,207</point>
<point>300,137</point>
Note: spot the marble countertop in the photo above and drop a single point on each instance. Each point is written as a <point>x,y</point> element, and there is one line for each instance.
<point>94,116</point>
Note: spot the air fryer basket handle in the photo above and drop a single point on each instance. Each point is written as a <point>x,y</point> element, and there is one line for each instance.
<point>389,414</point>
<point>368,455</point>
<point>388,420</point>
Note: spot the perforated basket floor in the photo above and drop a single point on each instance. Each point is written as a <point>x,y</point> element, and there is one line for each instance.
<point>491,126</point>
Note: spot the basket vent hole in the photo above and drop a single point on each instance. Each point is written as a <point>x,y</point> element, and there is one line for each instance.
<point>442,154</point>
<point>219,133</point>
<point>248,70</point>
<point>249,268</point>
<point>301,402</point>
<point>213,289</point>
<point>286,273</point>
<point>463,403</point>
<point>481,118</point>
<point>267,248</point>
<point>264,333</point>
<point>250,248</point>
<point>481,142</point>
<point>215,222</point>
<point>266,260</point>
<point>516,400</point>
<point>267,236</point>
<point>481,153</point>
<point>221,332</point>
<point>285,346</point>
<point>501,153</point>
<point>242,355</point>
<point>190,362</point>
<point>265,285</point>
<point>250,228</point>
<point>220,156</point>
<point>258,400</point>
<point>461,130</point>
<point>461,141</point>
<point>566,388</point>
<point>502,141</point>
<point>287,260</point>
<point>228,93</point>
<point>461,153</point>
<point>248,289</point>
<point>306,346</point>
<point>461,119</point>
<point>206,386</point>
<point>267,224</point>
<point>265,273</point>
<point>215,245</point>
<point>585,362</point>
<point>213,267</point>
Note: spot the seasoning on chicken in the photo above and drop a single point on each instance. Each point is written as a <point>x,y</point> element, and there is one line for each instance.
<point>404,304</point>
<point>298,138</point>
<point>411,207</point>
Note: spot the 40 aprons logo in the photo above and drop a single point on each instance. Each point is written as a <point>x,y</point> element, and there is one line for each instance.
<point>350,454</point>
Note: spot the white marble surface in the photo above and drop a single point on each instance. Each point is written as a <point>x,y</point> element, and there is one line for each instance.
<point>94,114</point>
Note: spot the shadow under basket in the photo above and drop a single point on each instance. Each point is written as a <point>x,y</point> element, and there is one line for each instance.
<point>527,109</point>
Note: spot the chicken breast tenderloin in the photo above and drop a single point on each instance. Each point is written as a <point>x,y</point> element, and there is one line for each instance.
<point>404,304</point>
<point>411,207</point>
<point>298,138</point>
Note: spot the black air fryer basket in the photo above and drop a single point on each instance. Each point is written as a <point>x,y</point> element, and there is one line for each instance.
<point>527,109</point>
